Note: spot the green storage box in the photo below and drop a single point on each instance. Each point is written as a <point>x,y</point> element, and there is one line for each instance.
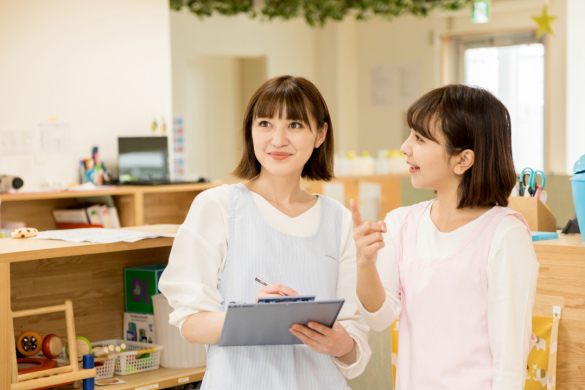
<point>140,284</point>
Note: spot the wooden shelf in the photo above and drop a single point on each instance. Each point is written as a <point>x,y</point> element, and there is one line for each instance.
<point>161,378</point>
<point>13,251</point>
<point>36,273</point>
<point>137,205</point>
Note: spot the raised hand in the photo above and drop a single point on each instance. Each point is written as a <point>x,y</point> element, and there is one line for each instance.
<point>367,235</point>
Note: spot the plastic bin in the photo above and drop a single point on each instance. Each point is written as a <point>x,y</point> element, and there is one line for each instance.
<point>104,369</point>
<point>578,186</point>
<point>178,353</point>
<point>129,363</point>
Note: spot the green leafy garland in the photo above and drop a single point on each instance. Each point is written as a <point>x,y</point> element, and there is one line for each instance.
<point>317,12</point>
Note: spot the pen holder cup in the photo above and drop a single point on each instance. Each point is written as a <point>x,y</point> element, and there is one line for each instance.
<point>178,352</point>
<point>537,214</point>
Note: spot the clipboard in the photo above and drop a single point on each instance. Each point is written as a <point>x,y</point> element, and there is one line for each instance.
<point>268,321</point>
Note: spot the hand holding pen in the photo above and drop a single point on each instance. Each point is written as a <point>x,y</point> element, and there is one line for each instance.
<point>272,290</point>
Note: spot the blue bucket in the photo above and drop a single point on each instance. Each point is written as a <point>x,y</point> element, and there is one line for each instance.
<point>578,186</point>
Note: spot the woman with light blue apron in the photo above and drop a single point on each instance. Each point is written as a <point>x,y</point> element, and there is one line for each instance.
<point>269,228</point>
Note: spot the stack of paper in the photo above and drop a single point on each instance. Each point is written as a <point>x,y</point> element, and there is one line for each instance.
<point>104,236</point>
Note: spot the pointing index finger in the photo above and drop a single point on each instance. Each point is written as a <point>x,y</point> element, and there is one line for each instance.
<point>355,213</point>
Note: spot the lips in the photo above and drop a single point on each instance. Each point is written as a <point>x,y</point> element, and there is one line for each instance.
<point>279,155</point>
<point>412,168</point>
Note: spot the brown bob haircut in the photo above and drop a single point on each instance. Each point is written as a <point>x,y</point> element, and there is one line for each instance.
<point>301,101</point>
<point>471,118</point>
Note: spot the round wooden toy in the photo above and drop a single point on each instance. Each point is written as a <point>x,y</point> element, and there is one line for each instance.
<point>52,346</point>
<point>83,347</point>
<point>29,343</point>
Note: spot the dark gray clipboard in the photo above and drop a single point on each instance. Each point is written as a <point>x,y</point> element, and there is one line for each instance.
<point>269,323</point>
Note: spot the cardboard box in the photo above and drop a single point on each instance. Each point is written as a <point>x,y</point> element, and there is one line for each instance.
<point>139,327</point>
<point>140,284</point>
<point>537,215</point>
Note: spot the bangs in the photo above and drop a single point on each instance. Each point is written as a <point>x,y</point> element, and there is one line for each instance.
<point>283,99</point>
<point>426,112</point>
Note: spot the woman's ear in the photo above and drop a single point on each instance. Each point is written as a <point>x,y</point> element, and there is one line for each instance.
<point>321,135</point>
<point>463,161</point>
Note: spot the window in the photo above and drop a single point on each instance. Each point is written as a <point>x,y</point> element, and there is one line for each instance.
<point>511,66</point>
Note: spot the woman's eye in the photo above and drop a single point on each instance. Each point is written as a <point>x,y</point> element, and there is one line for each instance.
<point>263,124</point>
<point>296,125</point>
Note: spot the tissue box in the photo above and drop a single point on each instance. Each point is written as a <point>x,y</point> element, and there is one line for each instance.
<point>140,284</point>
<point>139,327</point>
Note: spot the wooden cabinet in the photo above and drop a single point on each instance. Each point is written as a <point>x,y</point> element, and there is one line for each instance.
<point>38,273</point>
<point>137,205</point>
<point>562,274</point>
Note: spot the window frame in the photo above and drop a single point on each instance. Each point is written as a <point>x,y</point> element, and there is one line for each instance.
<point>452,65</point>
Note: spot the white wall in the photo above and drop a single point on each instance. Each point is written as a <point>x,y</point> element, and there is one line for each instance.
<point>102,65</point>
<point>289,48</point>
<point>409,39</point>
<point>575,82</point>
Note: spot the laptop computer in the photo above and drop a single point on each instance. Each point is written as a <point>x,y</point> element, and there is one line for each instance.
<point>144,161</point>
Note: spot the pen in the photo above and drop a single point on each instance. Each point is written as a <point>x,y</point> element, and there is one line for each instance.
<point>266,284</point>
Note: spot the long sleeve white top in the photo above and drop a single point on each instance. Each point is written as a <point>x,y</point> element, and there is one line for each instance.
<point>198,256</point>
<point>512,273</point>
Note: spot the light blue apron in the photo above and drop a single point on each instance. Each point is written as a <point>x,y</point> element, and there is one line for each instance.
<point>307,264</point>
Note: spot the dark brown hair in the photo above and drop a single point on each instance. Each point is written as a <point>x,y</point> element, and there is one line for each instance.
<point>471,118</point>
<point>302,101</point>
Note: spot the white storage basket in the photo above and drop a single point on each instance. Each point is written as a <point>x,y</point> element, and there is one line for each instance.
<point>130,363</point>
<point>104,369</point>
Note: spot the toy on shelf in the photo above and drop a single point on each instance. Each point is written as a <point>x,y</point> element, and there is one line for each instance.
<point>52,346</point>
<point>24,233</point>
<point>51,376</point>
<point>83,347</point>
<point>29,343</point>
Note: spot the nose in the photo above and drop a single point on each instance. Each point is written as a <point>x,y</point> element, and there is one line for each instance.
<point>406,147</point>
<point>279,136</point>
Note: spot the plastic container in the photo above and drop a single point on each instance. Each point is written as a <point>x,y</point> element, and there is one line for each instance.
<point>578,186</point>
<point>178,352</point>
<point>129,363</point>
<point>103,369</point>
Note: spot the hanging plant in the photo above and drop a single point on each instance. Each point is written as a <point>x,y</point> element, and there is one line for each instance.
<point>318,12</point>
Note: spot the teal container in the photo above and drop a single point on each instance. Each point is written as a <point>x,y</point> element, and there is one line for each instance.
<point>578,186</point>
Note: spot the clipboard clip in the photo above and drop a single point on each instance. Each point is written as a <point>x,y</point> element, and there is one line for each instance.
<point>287,299</point>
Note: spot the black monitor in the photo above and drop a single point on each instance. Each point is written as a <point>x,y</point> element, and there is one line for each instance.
<point>142,159</point>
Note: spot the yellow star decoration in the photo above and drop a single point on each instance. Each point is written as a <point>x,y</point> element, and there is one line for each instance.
<point>544,22</point>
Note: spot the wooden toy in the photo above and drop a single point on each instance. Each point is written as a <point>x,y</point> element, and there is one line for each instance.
<point>52,346</point>
<point>52,376</point>
<point>26,365</point>
<point>29,343</point>
<point>24,233</point>
<point>83,347</point>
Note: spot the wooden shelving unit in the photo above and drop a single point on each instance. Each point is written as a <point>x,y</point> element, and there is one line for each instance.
<point>37,273</point>
<point>137,205</point>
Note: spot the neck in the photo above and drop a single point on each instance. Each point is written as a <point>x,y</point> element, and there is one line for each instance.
<point>277,189</point>
<point>445,214</point>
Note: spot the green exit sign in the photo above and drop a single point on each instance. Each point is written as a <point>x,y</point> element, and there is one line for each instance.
<point>481,11</point>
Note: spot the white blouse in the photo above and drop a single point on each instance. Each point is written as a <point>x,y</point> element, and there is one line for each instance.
<point>200,248</point>
<point>512,273</point>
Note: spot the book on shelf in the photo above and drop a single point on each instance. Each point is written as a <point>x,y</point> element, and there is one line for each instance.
<point>86,217</point>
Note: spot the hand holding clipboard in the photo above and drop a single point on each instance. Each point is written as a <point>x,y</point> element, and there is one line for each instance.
<point>276,320</point>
